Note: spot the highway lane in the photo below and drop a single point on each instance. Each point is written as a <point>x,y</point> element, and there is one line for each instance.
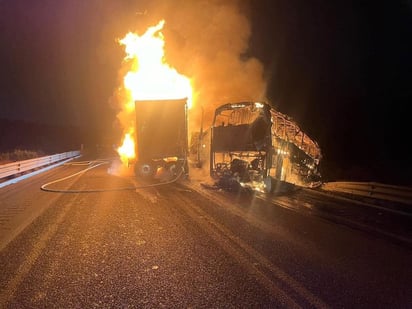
<point>380,218</point>
<point>23,202</point>
<point>183,246</point>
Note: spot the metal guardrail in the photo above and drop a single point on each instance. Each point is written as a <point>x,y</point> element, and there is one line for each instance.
<point>18,167</point>
<point>372,190</point>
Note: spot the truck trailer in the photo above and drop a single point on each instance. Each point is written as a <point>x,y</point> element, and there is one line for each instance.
<point>161,138</point>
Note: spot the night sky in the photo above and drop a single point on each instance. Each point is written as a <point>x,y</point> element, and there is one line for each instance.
<point>342,69</point>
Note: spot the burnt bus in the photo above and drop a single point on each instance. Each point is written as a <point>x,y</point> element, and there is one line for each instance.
<point>161,137</point>
<point>255,146</point>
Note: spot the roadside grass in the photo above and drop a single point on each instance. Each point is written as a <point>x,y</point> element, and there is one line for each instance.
<point>19,155</point>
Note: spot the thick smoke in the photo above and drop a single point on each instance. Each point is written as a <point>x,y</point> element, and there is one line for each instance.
<point>207,41</point>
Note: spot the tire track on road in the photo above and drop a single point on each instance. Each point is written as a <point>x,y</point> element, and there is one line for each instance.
<point>249,258</point>
<point>40,244</point>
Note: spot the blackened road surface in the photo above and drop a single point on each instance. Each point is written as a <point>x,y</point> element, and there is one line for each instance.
<point>181,246</point>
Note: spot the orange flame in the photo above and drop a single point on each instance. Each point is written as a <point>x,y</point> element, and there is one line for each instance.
<point>150,78</point>
<point>127,150</point>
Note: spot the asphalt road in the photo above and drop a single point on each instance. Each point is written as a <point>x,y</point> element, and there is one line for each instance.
<point>184,246</point>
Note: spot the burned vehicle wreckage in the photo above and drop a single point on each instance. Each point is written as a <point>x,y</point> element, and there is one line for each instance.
<point>254,146</point>
<point>161,149</point>
<point>249,145</point>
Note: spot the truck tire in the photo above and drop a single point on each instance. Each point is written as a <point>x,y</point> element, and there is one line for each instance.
<point>145,170</point>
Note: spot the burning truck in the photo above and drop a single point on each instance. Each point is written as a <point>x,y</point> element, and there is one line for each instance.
<point>255,146</point>
<point>161,138</point>
<point>154,101</point>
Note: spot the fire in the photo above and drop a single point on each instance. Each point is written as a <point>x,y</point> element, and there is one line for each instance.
<point>127,150</point>
<point>150,77</point>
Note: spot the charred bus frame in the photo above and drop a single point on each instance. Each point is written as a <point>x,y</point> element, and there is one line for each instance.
<point>255,145</point>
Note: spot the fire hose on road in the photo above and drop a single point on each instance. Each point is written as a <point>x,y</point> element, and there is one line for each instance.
<point>93,164</point>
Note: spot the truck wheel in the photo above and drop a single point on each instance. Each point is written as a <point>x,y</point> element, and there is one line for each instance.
<point>176,168</point>
<point>144,170</point>
<point>172,168</point>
